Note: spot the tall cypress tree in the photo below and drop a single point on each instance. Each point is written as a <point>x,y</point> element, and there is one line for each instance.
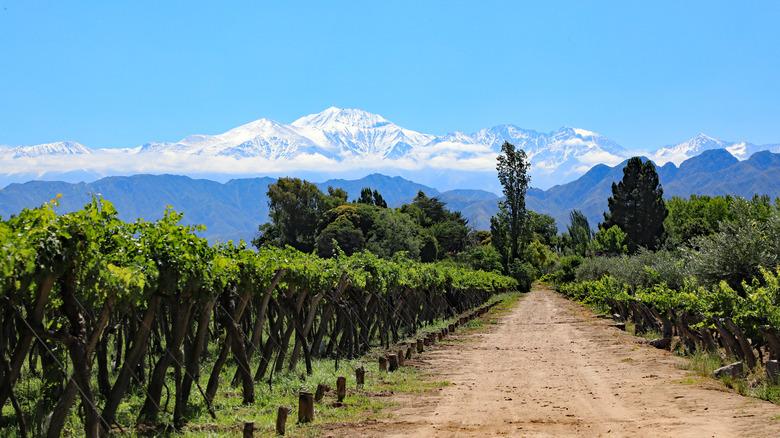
<point>637,205</point>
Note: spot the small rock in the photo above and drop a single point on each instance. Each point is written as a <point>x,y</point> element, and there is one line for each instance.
<point>619,325</point>
<point>661,343</point>
<point>734,371</point>
<point>772,369</point>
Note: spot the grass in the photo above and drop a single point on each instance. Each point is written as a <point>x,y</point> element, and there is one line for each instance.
<point>702,363</point>
<point>754,384</point>
<point>648,335</point>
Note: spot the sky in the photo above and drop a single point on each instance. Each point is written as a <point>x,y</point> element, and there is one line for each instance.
<point>645,74</point>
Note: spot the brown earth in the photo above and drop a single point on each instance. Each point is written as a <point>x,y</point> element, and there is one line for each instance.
<point>548,367</point>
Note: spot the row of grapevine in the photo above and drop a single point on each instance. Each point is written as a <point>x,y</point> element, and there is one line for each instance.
<point>97,308</point>
<point>744,323</point>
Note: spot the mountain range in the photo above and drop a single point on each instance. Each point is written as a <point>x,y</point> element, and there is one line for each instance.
<point>234,209</point>
<point>347,143</point>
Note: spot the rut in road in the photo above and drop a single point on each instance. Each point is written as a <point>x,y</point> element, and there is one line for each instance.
<point>549,368</point>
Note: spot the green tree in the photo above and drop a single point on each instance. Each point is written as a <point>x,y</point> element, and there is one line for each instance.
<point>512,170</point>
<point>540,256</point>
<point>295,208</point>
<point>695,216</point>
<point>371,198</point>
<point>482,257</point>
<point>449,229</point>
<point>611,240</point>
<point>742,247</point>
<point>334,198</point>
<point>392,232</point>
<point>378,200</point>
<point>499,236</point>
<point>637,205</point>
<point>579,232</point>
<point>365,196</point>
<point>541,227</point>
<point>344,233</point>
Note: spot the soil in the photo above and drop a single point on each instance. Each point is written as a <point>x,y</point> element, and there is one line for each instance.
<point>549,367</point>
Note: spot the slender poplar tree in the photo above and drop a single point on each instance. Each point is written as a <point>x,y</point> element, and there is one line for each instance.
<point>512,170</point>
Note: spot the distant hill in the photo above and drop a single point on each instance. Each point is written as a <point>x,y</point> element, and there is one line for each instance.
<point>713,172</point>
<point>233,210</point>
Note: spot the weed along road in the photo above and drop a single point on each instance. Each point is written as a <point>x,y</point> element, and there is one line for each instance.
<point>547,367</point>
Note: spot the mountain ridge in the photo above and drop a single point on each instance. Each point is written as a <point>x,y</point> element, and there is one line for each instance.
<point>348,141</point>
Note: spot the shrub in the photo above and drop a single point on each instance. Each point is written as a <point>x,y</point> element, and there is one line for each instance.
<point>566,269</point>
<point>523,272</point>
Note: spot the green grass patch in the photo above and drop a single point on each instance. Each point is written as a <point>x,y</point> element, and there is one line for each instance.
<point>703,363</point>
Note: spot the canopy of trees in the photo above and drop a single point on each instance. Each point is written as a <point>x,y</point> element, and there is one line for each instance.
<point>310,221</point>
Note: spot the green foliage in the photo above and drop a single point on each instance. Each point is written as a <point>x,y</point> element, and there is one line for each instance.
<point>393,232</point>
<point>484,258</point>
<point>637,206</point>
<point>580,233</point>
<point>611,240</point>
<point>441,230</point>
<point>567,268</point>
<point>694,217</point>
<point>341,233</point>
<point>644,269</point>
<point>540,257</point>
<point>499,235</point>
<point>541,227</point>
<point>295,208</point>
<point>513,175</point>
<point>334,198</point>
<point>429,249</point>
<point>523,273</point>
<point>742,246</point>
<point>371,198</point>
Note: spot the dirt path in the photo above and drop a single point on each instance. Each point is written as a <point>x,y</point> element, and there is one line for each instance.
<point>549,368</point>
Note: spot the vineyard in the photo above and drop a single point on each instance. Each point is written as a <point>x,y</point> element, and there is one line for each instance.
<point>737,325</point>
<point>98,310</point>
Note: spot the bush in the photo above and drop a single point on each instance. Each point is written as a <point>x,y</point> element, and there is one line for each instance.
<point>612,241</point>
<point>566,269</point>
<point>644,269</point>
<point>524,273</point>
<point>485,258</point>
<point>741,248</point>
<point>595,268</point>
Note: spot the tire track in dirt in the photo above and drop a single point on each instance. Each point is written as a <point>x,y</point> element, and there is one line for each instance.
<point>549,368</point>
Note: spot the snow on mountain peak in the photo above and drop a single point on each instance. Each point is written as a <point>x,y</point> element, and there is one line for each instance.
<point>57,148</point>
<point>333,119</point>
<point>358,132</point>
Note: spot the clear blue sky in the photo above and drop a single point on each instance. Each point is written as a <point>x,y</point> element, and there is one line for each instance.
<point>646,74</point>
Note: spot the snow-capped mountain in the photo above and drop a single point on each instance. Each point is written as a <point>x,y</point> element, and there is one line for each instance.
<point>554,156</point>
<point>261,138</point>
<point>682,151</point>
<point>337,142</point>
<point>58,148</point>
<point>357,132</point>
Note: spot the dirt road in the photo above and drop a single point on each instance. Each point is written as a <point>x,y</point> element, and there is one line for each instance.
<point>549,368</point>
